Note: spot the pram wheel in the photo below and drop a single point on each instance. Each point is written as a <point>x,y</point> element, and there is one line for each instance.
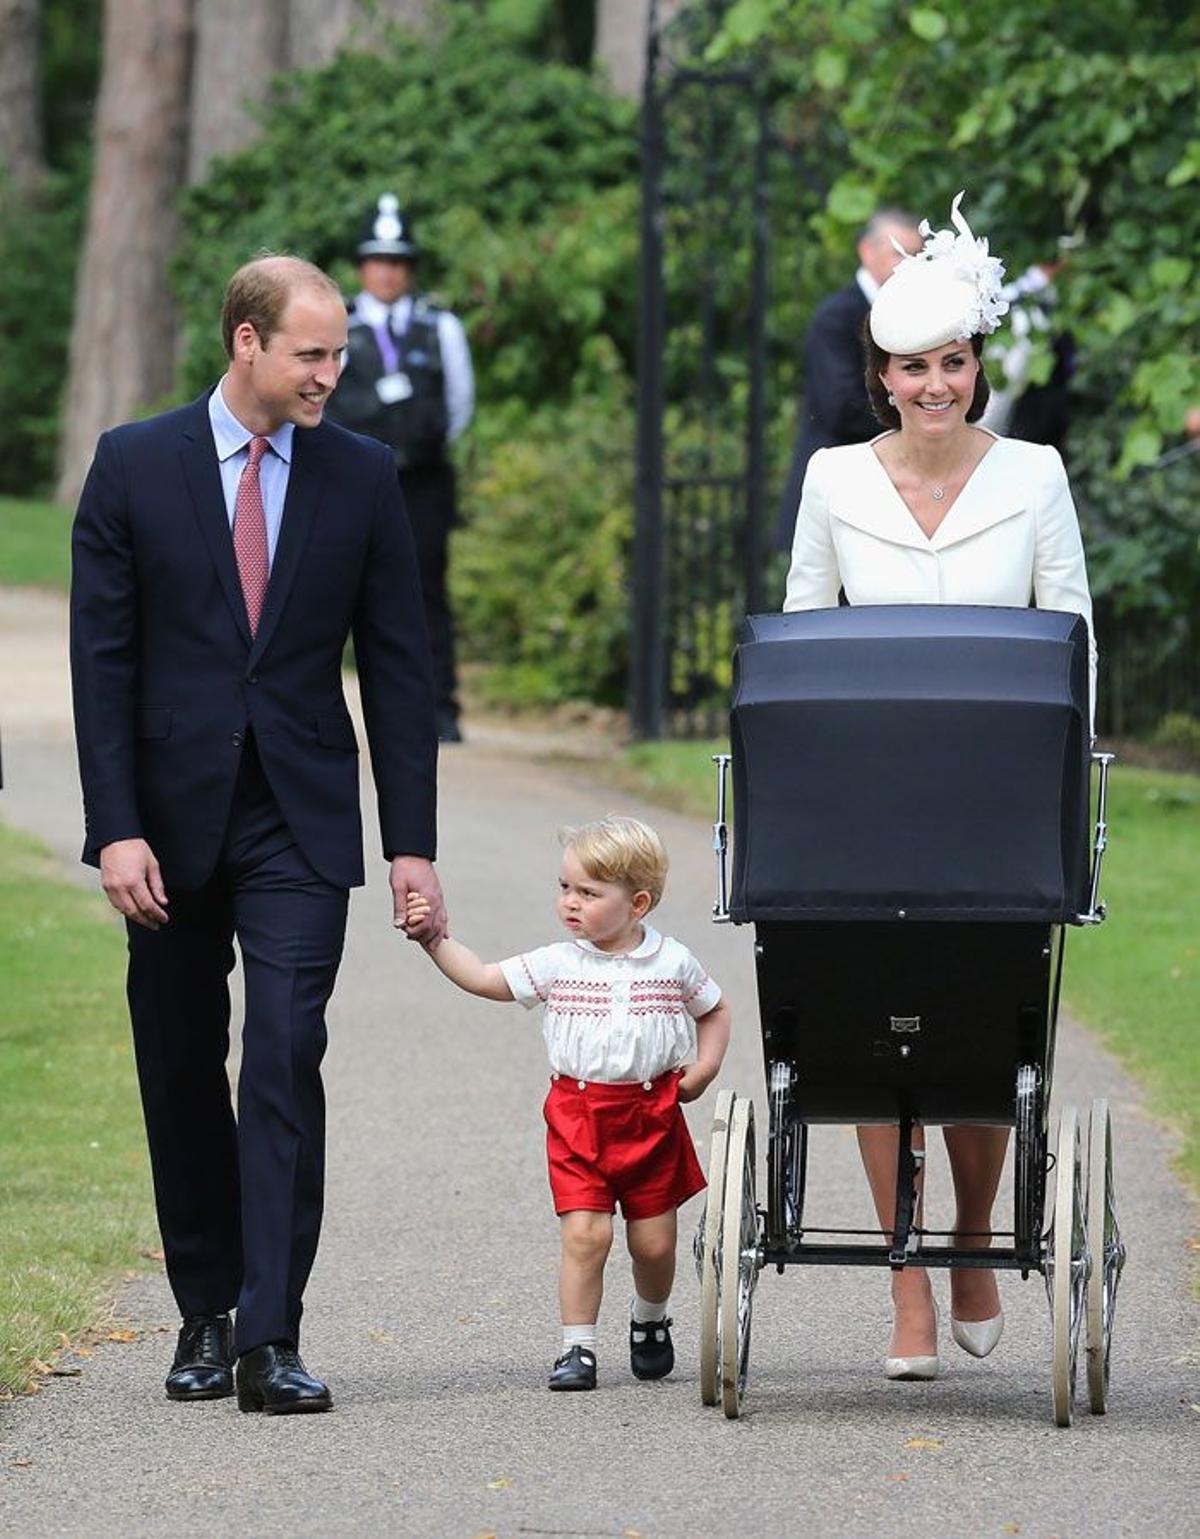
<point>1106,1251</point>
<point>708,1252</point>
<point>1067,1264</point>
<point>739,1256</point>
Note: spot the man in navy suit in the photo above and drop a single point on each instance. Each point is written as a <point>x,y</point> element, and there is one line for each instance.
<point>222,553</point>
<point>836,408</point>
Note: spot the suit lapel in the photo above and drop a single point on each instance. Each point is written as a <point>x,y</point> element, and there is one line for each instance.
<point>203,476</point>
<point>299,510</point>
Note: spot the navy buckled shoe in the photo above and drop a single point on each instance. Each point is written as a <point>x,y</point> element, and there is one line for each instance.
<point>575,1369</point>
<point>651,1351</point>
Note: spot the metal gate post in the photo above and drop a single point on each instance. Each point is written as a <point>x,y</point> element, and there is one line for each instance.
<point>648,634</point>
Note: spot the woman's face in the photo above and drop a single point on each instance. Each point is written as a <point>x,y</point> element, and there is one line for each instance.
<point>933,390</point>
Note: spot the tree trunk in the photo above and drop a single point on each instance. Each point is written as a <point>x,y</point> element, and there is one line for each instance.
<point>21,147</point>
<point>122,342</point>
<point>240,46</point>
<point>318,28</point>
<point>621,39</point>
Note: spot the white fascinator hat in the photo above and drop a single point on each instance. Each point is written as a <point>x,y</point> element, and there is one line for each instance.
<point>949,291</point>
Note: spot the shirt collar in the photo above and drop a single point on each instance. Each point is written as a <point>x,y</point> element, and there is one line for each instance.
<point>373,312</point>
<point>867,284</point>
<point>230,436</point>
<point>648,946</point>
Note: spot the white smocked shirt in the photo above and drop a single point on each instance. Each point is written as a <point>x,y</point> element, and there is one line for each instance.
<point>615,1017</point>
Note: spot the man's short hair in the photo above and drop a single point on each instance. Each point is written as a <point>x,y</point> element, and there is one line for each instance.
<point>882,217</point>
<point>622,850</point>
<point>259,291</point>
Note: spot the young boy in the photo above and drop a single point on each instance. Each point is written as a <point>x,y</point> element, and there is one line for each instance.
<point>633,1026</point>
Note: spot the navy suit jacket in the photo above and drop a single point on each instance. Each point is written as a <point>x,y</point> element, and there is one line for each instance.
<point>167,678</point>
<point>837,409</point>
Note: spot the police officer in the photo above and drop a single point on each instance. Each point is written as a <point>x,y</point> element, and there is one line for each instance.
<point>408,382</point>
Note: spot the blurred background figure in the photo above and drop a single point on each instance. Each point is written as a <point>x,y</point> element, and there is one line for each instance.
<point>408,382</point>
<point>1037,411</point>
<point>836,408</point>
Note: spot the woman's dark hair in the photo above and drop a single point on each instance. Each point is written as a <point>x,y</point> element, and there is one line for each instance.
<point>878,360</point>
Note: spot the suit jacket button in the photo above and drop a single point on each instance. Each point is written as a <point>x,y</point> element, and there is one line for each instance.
<point>237,739</point>
<point>252,678</point>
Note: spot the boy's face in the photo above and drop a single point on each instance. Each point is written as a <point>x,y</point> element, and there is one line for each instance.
<point>606,913</point>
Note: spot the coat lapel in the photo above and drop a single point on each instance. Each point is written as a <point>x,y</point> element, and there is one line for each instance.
<point>299,510</point>
<point>868,501</point>
<point>871,503</point>
<point>203,477</point>
<point>990,497</point>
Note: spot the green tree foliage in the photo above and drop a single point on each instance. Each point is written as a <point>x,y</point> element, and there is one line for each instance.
<point>40,236</point>
<point>1061,121</point>
<point>521,179</point>
<point>40,233</point>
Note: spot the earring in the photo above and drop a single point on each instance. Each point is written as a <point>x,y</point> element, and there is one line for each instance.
<point>891,399</point>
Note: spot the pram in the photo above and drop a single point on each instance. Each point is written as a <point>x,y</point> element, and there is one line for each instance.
<point>912,801</point>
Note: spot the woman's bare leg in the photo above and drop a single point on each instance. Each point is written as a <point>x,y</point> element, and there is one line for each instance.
<point>976,1162</point>
<point>914,1328</point>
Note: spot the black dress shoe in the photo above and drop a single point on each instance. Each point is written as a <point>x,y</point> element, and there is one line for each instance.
<point>575,1369</point>
<point>273,1379</point>
<point>651,1353</point>
<point>448,729</point>
<point>203,1366</point>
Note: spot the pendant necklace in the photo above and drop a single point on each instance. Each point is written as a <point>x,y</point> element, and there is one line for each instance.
<point>937,493</point>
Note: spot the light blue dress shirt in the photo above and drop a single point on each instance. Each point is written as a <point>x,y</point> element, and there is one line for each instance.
<point>233,450</point>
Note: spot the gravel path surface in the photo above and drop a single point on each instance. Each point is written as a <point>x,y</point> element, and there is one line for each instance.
<point>432,1308</point>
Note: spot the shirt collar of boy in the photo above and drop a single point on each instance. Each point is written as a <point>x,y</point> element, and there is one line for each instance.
<point>649,946</point>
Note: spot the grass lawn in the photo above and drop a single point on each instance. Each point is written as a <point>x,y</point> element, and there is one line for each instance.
<point>1136,979</point>
<point>75,1206</point>
<point>35,544</point>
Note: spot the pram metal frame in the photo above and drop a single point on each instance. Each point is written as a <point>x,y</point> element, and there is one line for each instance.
<point>1079,1251</point>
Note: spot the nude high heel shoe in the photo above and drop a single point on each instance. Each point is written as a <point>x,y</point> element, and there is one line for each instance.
<point>925,1367</point>
<point>978,1337</point>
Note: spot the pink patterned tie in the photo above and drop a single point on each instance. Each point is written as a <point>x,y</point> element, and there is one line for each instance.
<point>250,535</point>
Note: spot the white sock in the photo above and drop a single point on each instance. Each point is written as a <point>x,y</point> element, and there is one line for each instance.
<point>579,1336</point>
<point>644,1311</point>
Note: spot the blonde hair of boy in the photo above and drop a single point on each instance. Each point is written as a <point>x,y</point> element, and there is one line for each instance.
<point>622,850</point>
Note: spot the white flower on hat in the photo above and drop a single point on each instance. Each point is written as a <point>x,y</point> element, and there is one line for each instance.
<point>951,290</point>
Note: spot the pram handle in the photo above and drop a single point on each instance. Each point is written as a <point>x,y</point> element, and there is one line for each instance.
<point>1096,911</point>
<point>721,842</point>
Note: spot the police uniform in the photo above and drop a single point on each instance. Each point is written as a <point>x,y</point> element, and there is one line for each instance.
<point>408,381</point>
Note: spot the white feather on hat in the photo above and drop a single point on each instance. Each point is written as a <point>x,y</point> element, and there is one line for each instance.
<point>949,291</point>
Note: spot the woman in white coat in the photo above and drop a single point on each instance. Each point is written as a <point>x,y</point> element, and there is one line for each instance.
<point>937,510</point>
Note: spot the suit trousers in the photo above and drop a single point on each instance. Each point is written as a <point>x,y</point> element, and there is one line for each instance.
<point>239,1202</point>
<point>429,497</point>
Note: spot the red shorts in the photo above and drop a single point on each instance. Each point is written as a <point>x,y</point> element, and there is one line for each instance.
<point>625,1143</point>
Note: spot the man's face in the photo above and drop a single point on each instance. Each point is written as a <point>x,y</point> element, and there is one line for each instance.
<point>879,256</point>
<point>385,278</point>
<point>292,377</point>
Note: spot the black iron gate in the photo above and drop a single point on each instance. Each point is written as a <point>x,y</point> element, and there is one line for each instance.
<point>698,549</point>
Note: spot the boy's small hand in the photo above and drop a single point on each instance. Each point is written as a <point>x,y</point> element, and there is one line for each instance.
<point>693,1082</point>
<point>416,911</point>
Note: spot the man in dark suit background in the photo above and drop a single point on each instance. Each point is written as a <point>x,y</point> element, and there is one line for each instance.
<point>222,553</point>
<point>836,409</point>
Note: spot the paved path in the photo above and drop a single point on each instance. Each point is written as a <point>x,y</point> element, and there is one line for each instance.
<point>432,1307</point>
